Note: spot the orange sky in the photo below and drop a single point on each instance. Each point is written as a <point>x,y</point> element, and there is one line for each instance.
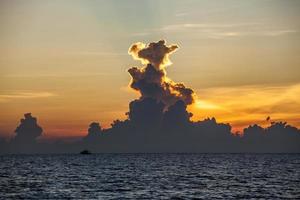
<point>243,65</point>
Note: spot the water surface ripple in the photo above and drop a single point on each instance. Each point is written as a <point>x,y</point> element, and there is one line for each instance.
<point>150,176</point>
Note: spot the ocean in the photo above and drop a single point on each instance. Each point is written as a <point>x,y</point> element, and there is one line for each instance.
<point>150,176</point>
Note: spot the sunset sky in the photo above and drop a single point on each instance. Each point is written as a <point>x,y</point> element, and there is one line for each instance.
<point>66,61</point>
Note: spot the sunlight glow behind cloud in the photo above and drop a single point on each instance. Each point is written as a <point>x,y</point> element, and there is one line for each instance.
<point>244,105</point>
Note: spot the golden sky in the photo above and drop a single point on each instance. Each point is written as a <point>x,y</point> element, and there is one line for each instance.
<point>66,61</point>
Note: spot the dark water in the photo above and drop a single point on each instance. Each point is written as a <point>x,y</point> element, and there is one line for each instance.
<point>150,176</point>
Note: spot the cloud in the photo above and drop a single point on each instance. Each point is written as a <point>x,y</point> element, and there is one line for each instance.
<point>222,30</point>
<point>28,130</point>
<point>151,80</point>
<point>278,32</point>
<point>94,131</point>
<point>159,120</point>
<point>205,26</point>
<point>155,53</point>
<point>278,137</point>
<point>146,113</point>
<point>157,124</point>
<point>25,95</point>
<point>26,134</point>
<point>273,33</point>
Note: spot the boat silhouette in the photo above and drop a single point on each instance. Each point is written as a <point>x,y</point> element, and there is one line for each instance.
<point>85,152</point>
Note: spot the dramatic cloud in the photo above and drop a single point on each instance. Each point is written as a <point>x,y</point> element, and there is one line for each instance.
<point>151,80</point>
<point>155,53</point>
<point>158,121</point>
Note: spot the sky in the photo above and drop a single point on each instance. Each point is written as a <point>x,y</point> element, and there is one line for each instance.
<point>66,61</point>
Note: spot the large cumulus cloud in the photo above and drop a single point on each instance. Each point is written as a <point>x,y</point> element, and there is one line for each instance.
<point>158,121</point>
<point>151,80</point>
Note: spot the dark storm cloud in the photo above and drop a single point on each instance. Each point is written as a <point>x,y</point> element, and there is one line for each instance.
<point>151,80</point>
